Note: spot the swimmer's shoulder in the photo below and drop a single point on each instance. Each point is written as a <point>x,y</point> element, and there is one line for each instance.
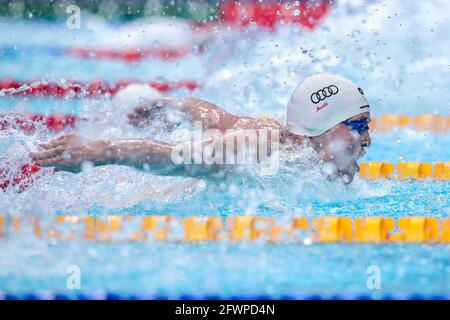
<point>261,122</point>
<point>267,122</point>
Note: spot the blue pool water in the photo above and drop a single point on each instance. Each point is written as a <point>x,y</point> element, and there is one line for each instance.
<point>403,68</point>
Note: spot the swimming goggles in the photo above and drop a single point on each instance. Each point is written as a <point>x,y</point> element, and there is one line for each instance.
<point>359,126</point>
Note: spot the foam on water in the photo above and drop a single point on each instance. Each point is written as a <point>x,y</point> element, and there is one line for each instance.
<point>397,52</point>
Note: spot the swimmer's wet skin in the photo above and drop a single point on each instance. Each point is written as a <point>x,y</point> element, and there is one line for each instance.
<point>326,112</point>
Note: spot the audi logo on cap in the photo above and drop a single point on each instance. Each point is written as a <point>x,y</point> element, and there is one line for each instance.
<point>326,92</point>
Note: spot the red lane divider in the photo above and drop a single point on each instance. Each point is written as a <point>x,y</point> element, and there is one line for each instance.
<point>27,122</point>
<point>131,55</point>
<point>22,178</point>
<point>267,14</point>
<point>77,89</point>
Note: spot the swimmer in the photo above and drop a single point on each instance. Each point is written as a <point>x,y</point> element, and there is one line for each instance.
<point>326,112</point>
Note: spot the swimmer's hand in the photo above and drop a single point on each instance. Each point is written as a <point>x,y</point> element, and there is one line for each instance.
<point>144,114</point>
<point>69,152</point>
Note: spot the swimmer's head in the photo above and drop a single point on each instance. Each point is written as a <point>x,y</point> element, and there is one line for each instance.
<point>333,113</point>
<point>135,94</point>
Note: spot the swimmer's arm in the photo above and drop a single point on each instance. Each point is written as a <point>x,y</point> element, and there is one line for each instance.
<point>71,155</point>
<point>139,153</point>
<point>167,159</point>
<point>187,158</point>
<point>212,116</point>
<point>71,152</point>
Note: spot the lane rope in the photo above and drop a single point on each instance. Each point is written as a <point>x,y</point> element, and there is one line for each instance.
<point>27,122</point>
<point>423,122</point>
<point>126,55</point>
<point>406,170</point>
<point>304,230</point>
<point>78,89</point>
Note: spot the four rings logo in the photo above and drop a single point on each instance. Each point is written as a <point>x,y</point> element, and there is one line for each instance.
<point>326,92</point>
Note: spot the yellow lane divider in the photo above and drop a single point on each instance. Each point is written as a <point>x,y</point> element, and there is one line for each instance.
<point>305,230</point>
<point>405,170</point>
<point>424,122</point>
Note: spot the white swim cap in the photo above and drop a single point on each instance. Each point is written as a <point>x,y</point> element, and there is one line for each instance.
<point>135,94</point>
<point>322,101</point>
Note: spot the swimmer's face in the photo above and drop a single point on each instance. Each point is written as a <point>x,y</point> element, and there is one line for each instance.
<point>352,135</point>
<point>345,143</point>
